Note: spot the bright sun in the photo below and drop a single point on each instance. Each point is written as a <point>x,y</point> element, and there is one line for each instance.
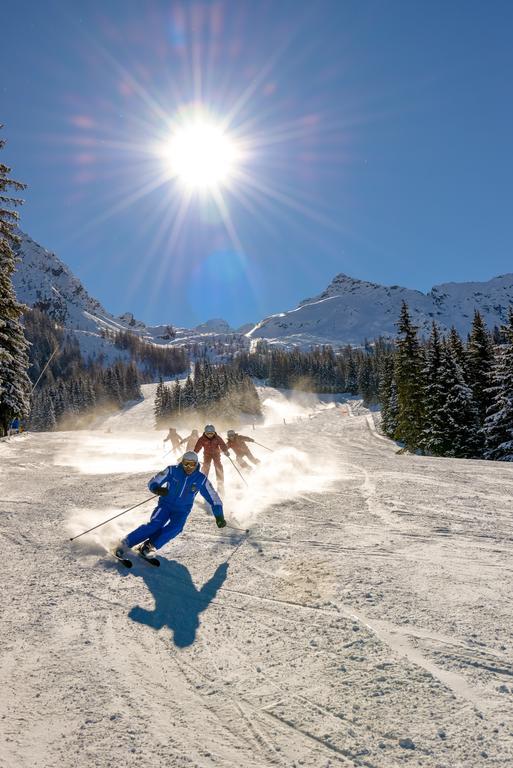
<point>201,155</point>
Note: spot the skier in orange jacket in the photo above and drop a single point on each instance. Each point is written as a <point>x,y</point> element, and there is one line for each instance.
<point>238,444</point>
<point>212,445</point>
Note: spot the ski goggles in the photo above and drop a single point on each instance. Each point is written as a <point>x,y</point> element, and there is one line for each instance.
<point>189,464</point>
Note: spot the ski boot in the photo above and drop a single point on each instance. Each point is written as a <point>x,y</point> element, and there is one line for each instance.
<point>146,550</point>
<point>119,550</point>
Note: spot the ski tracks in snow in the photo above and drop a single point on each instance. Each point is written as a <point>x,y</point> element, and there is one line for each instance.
<point>354,619</point>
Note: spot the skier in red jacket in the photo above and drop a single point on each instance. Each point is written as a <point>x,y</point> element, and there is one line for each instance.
<point>238,444</point>
<point>212,445</point>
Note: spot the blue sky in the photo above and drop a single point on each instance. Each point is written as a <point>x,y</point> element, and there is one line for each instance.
<point>380,135</point>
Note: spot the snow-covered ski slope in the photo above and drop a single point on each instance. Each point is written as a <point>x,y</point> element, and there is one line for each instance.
<point>366,621</point>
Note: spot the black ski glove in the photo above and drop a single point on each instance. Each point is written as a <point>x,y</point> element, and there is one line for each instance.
<point>160,490</point>
<point>220,521</point>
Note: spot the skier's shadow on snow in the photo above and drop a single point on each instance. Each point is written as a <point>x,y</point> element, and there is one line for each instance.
<point>178,603</point>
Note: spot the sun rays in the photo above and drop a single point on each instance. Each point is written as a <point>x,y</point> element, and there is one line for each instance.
<point>205,128</point>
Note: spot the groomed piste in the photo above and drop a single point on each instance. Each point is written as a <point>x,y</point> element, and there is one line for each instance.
<point>366,620</point>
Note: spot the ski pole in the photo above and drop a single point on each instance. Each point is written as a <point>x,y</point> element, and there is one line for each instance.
<point>236,528</point>
<point>238,470</point>
<point>111,518</point>
<point>263,446</point>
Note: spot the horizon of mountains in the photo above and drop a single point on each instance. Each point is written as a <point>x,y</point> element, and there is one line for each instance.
<point>348,311</point>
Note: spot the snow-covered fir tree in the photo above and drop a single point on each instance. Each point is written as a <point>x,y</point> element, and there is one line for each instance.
<point>366,380</point>
<point>458,415</point>
<point>159,408</point>
<point>479,364</point>
<point>14,381</point>
<point>188,400</point>
<point>42,415</point>
<point>434,397</point>
<point>498,426</point>
<point>458,349</point>
<point>388,397</point>
<point>408,371</point>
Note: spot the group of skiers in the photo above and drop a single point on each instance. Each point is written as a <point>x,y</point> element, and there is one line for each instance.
<point>212,445</point>
<point>177,486</point>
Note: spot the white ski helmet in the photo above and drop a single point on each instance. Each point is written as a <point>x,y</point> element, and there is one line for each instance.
<point>209,428</point>
<point>190,456</point>
<point>231,433</point>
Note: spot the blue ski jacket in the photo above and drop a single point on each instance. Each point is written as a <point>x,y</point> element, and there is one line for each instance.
<point>182,490</point>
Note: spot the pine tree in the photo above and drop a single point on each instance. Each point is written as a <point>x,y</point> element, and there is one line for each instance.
<point>351,376</point>
<point>159,401</point>
<point>175,398</point>
<point>388,420</point>
<point>42,414</point>
<point>458,416</point>
<point>112,386</point>
<point>131,386</point>
<point>365,379</point>
<point>435,398</point>
<point>498,426</point>
<point>479,364</point>
<point>14,381</point>
<point>200,390</point>
<point>187,399</point>
<point>409,378</point>
<point>458,349</point>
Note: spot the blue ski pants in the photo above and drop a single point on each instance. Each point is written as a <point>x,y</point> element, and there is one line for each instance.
<point>163,526</point>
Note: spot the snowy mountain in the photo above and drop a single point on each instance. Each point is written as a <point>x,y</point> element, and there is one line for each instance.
<point>347,312</point>
<point>216,325</point>
<point>42,280</point>
<point>350,310</point>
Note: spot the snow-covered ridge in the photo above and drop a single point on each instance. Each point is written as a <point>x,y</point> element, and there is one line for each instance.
<point>43,280</point>
<point>349,311</point>
<point>346,312</point>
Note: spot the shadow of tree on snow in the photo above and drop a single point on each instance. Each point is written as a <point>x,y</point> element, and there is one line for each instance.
<point>178,603</point>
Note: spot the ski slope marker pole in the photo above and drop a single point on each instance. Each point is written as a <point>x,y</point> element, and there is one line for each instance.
<point>263,446</point>
<point>44,369</point>
<point>238,470</point>
<point>111,518</point>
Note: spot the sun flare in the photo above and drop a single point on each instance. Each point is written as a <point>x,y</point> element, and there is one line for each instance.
<point>201,155</point>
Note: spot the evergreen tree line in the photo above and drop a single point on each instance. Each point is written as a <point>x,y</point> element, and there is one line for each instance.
<point>214,391</point>
<point>14,381</point>
<point>155,360</point>
<point>73,402</point>
<point>323,370</point>
<point>450,398</point>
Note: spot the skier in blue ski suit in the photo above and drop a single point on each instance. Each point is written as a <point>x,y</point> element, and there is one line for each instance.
<point>177,487</point>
